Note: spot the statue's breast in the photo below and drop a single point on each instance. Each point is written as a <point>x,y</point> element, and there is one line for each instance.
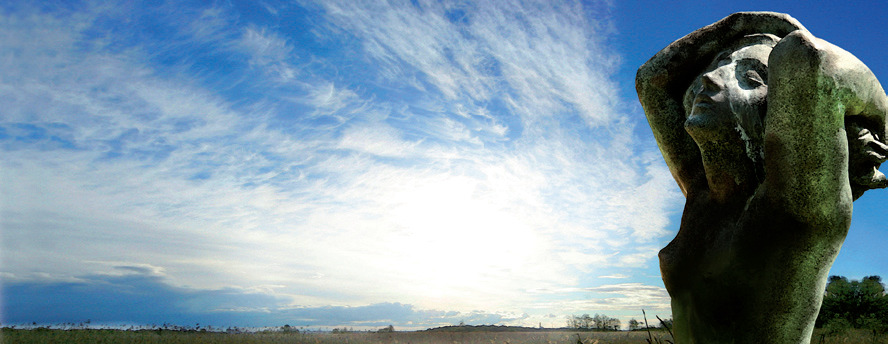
<point>701,250</point>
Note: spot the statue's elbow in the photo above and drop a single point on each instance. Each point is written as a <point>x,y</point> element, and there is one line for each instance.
<point>799,53</point>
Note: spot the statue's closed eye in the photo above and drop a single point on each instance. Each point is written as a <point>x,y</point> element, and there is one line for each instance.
<point>754,79</point>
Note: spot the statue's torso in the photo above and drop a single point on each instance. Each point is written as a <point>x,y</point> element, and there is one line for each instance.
<point>741,266</point>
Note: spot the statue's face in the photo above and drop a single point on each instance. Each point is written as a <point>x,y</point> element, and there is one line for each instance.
<point>867,153</point>
<point>730,96</point>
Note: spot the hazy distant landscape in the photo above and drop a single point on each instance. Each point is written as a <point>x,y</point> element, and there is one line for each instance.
<point>109,336</point>
<point>418,337</point>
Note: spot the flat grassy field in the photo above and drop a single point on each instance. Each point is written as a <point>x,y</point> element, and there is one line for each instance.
<point>46,336</point>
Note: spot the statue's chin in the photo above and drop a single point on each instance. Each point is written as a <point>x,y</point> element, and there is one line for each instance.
<point>874,180</point>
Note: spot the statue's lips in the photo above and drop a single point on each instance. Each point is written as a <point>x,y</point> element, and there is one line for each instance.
<point>704,101</point>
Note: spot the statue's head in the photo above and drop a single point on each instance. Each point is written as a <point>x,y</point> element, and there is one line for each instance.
<point>727,101</point>
<point>866,153</point>
<point>716,79</point>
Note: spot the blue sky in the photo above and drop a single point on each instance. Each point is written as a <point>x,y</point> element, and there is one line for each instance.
<point>350,163</point>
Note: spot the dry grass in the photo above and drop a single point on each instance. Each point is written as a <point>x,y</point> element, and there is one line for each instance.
<point>852,336</point>
<point>150,337</point>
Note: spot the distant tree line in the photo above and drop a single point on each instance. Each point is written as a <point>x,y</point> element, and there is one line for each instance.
<point>854,304</point>
<point>598,322</point>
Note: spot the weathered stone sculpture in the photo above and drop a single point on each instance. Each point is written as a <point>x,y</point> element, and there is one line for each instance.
<point>771,133</point>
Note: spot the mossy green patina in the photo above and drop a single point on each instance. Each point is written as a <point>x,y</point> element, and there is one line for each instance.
<point>778,133</point>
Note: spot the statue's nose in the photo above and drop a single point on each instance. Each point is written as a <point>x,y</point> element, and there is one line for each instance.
<point>710,85</point>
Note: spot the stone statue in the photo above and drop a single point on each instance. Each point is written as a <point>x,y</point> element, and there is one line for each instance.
<point>771,133</point>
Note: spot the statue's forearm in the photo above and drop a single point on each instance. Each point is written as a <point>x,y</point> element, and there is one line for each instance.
<point>806,151</point>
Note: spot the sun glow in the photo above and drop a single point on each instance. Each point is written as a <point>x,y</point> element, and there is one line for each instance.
<point>459,236</point>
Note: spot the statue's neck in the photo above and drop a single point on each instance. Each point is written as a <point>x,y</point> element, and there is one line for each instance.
<point>730,174</point>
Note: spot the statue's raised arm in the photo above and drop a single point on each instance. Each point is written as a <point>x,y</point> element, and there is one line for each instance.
<point>826,110</point>
<point>771,133</point>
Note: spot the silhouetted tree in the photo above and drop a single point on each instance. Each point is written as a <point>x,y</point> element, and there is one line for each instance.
<point>634,324</point>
